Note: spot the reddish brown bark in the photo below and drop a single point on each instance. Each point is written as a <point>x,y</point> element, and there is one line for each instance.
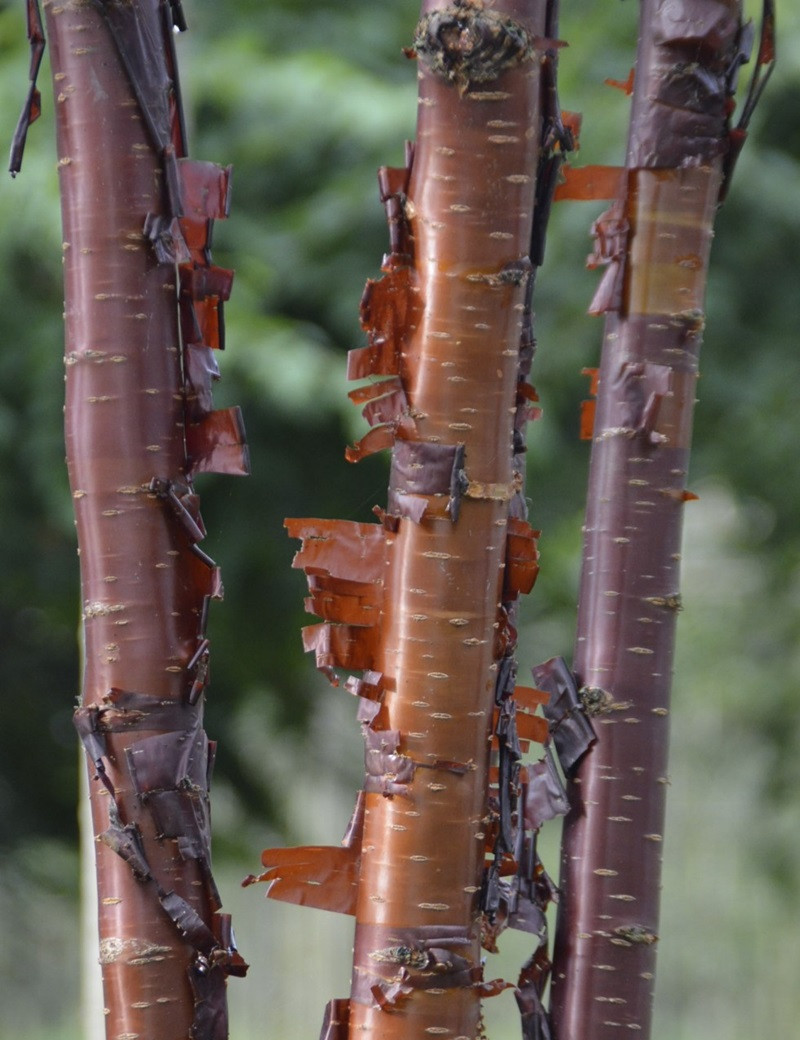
<point>421,602</point>
<point>469,203</point>
<point>470,211</point>
<point>142,314</point>
<point>656,241</point>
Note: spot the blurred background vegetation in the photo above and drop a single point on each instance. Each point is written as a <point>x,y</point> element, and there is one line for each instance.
<point>307,100</point>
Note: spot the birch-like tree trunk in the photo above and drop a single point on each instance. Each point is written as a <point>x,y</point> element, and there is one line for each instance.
<point>656,241</point>
<point>421,602</point>
<point>142,316</point>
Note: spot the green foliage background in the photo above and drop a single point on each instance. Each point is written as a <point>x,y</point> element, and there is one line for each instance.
<point>307,100</point>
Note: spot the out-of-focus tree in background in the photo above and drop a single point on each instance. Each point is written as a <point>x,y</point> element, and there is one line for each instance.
<point>307,100</point>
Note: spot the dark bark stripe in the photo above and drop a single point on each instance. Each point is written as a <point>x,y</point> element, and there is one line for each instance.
<point>32,107</point>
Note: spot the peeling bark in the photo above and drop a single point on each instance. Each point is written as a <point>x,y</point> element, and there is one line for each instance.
<point>469,207</point>
<point>440,855</point>
<point>655,241</point>
<point>142,312</point>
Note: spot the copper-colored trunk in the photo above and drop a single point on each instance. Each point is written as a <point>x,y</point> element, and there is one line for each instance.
<point>143,586</point>
<point>469,209</point>
<point>422,603</point>
<point>604,957</point>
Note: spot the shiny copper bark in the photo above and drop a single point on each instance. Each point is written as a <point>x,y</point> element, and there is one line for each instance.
<point>142,316</point>
<point>469,208</point>
<point>440,854</point>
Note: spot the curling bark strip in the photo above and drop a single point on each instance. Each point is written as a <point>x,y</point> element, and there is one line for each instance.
<point>142,311</point>
<point>655,241</point>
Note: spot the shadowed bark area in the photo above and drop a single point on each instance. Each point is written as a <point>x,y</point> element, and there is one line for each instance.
<point>142,316</point>
<point>656,241</point>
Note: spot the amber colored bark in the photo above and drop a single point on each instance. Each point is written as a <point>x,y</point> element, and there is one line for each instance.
<point>420,604</point>
<point>656,241</point>
<point>469,207</point>
<point>138,426</point>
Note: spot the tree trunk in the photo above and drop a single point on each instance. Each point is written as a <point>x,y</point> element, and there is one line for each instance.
<point>656,241</point>
<point>421,603</point>
<point>469,206</point>
<point>142,314</point>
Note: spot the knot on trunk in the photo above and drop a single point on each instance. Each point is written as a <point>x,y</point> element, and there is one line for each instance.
<point>634,935</point>
<point>464,43</point>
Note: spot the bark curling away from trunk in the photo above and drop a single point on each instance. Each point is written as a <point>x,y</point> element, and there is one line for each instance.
<point>143,318</point>
<point>440,854</point>
<point>655,242</point>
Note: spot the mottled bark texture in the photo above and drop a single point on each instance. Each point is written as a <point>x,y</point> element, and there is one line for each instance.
<point>142,316</point>
<point>655,240</point>
<point>440,853</point>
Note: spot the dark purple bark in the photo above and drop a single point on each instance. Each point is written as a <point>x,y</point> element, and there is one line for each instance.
<point>656,241</point>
